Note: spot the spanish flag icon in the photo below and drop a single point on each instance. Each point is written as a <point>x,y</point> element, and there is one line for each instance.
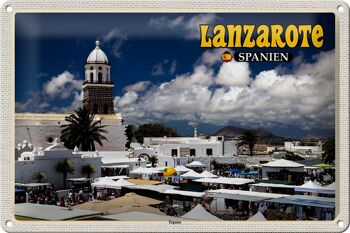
<point>226,56</point>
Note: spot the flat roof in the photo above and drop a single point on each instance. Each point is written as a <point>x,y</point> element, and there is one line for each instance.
<point>306,200</point>
<point>273,185</point>
<point>160,188</point>
<point>225,180</point>
<point>141,216</point>
<point>184,193</point>
<point>243,195</point>
<point>51,212</point>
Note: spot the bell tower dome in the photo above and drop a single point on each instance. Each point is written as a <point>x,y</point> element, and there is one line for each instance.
<point>98,87</point>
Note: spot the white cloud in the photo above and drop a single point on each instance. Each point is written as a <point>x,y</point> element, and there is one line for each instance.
<point>234,74</point>
<point>166,22</point>
<point>117,38</point>
<point>62,85</point>
<point>304,97</point>
<point>138,87</point>
<point>190,26</point>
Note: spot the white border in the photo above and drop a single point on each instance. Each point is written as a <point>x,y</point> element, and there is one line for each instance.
<point>7,111</point>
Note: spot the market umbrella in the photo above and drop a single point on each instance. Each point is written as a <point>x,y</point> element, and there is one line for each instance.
<point>169,171</point>
<point>323,165</point>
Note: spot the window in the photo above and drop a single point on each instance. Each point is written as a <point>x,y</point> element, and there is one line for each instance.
<point>99,68</point>
<point>105,109</point>
<point>166,163</point>
<point>209,151</point>
<point>91,68</point>
<point>192,152</point>
<point>178,162</point>
<point>49,140</point>
<point>99,77</point>
<point>219,138</point>
<point>91,77</point>
<point>95,108</point>
<point>174,152</point>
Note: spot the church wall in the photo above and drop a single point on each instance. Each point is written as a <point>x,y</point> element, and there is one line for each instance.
<point>40,133</point>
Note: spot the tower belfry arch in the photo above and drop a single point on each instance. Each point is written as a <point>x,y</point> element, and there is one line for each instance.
<point>98,87</point>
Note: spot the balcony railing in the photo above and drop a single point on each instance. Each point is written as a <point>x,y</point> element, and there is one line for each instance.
<point>87,82</point>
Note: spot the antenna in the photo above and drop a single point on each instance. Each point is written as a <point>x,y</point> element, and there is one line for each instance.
<point>30,137</point>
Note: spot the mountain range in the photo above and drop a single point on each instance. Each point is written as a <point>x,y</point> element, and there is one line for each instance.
<point>265,136</point>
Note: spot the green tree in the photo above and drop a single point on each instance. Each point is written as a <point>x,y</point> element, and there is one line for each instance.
<point>88,170</point>
<point>129,132</point>
<point>82,131</point>
<point>40,176</point>
<point>154,130</point>
<point>249,138</point>
<point>328,148</point>
<point>214,163</point>
<point>66,166</point>
<point>153,160</point>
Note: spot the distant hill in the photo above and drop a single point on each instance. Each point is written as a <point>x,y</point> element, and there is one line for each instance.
<point>265,136</point>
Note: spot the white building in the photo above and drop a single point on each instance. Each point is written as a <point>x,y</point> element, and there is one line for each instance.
<point>297,147</point>
<point>31,162</point>
<point>174,151</point>
<point>191,146</point>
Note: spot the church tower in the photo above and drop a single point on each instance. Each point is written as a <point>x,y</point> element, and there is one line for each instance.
<point>98,87</point>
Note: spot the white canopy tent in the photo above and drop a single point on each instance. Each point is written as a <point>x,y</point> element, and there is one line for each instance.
<point>199,213</point>
<point>105,182</point>
<point>182,168</point>
<point>225,180</point>
<point>312,187</point>
<point>283,163</point>
<point>329,189</point>
<point>243,195</point>
<point>257,217</point>
<point>191,175</point>
<point>123,183</point>
<point>184,193</point>
<point>145,170</point>
<point>195,164</point>
<point>207,174</point>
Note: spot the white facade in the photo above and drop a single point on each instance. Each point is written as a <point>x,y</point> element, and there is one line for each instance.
<point>296,147</point>
<point>189,146</point>
<point>29,163</point>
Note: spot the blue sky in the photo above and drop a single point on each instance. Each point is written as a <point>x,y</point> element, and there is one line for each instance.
<point>162,75</point>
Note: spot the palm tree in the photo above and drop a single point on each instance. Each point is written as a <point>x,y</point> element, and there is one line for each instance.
<point>249,138</point>
<point>88,170</point>
<point>214,163</point>
<point>82,131</point>
<point>153,160</point>
<point>66,166</point>
<point>40,176</point>
<point>329,150</point>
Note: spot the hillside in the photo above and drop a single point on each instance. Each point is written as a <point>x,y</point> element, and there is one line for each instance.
<point>265,135</point>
